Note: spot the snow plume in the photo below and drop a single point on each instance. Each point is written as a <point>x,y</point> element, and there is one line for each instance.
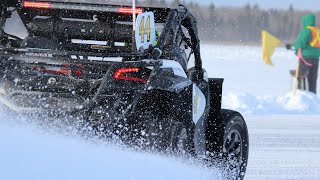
<point>32,151</point>
<point>302,102</point>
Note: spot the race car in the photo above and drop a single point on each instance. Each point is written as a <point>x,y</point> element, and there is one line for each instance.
<point>129,72</point>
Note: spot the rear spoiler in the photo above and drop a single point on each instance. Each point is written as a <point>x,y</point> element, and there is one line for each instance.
<point>86,10</point>
<point>44,55</point>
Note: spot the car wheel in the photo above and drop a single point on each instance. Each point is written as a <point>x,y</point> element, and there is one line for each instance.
<point>179,142</point>
<point>229,144</point>
<point>235,147</point>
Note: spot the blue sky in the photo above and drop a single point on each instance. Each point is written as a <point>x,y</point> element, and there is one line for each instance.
<point>313,5</point>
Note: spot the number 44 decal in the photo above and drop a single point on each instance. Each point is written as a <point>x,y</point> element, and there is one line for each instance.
<point>145,29</point>
<point>145,34</point>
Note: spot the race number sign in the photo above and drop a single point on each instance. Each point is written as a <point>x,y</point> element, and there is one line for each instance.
<point>145,30</point>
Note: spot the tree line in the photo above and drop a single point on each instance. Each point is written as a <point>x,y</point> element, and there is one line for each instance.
<point>241,24</point>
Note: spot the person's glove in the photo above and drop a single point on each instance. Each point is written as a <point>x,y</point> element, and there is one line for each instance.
<point>288,46</point>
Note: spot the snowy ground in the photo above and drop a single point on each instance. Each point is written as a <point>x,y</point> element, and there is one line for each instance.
<point>284,147</point>
<point>29,153</point>
<point>284,131</point>
<point>254,88</point>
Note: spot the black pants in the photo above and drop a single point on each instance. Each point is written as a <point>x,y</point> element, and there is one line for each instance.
<point>312,73</point>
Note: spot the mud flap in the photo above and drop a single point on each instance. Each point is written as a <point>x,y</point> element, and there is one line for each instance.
<point>209,131</point>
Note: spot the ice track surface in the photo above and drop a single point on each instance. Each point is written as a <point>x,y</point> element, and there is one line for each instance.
<point>284,147</point>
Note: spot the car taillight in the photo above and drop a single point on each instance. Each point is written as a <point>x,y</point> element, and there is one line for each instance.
<point>78,6</point>
<point>64,70</point>
<point>129,10</point>
<point>132,74</point>
<point>58,71</point>
<point>78,73</point>
<point>29,4</point>
<point>61,71</point>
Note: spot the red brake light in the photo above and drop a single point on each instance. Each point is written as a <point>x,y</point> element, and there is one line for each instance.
<point>65,69</point>
<point>61,71</point>
<point>78,73</point>
<point>44,5</point>
<point>120,74</point>
<point>129,10</point>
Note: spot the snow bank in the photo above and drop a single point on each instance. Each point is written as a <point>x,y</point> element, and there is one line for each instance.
<point>252,87</point>
<point>302,103</point>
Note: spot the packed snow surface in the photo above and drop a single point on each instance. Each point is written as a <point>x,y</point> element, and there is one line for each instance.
<point>283,128</point>
<point>30,152</point>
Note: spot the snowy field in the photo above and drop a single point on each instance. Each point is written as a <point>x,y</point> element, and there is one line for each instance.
<point>284,131</point>
<point>254,88</point>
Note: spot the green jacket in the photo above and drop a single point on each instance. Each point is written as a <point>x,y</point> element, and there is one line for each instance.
<point>304,38</point>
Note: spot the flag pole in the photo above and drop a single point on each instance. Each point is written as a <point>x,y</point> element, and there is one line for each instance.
<point>296,80</point>
<point>133,25</point>
<point>134,14</point>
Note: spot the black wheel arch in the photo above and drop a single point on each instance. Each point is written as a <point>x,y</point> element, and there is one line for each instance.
<point>207,129</point>
<point>211,132</point>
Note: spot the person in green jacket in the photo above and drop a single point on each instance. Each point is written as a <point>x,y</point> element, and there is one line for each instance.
<point>307,47</point>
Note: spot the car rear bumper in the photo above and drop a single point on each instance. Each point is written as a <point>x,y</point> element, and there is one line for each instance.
<point>31,102</point>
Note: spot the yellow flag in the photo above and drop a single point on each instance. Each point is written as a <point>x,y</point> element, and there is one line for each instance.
<point>269,44</point>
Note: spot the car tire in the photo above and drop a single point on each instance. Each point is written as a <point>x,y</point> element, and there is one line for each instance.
<point>231,144</point>
<point>179,141</point>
